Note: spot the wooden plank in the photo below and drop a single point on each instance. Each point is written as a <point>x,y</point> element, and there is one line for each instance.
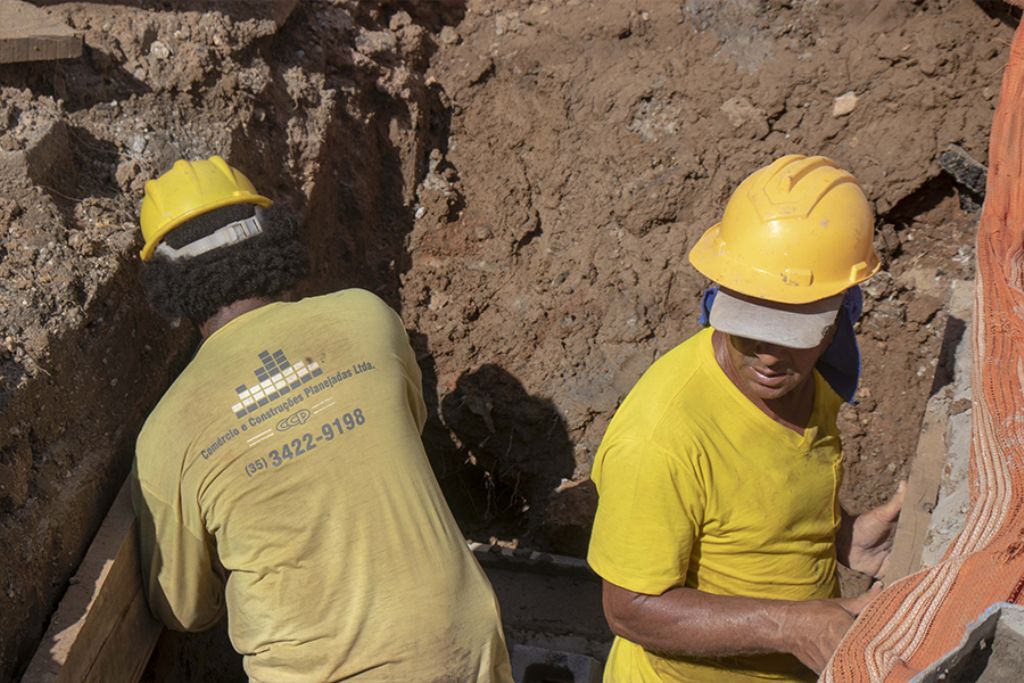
<point>922,493</point>
<point>29,34</point>
<point>135,632</point>
<point>102,629</point>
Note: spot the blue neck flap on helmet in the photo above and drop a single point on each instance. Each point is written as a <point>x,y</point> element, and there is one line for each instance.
<point>840,363</point>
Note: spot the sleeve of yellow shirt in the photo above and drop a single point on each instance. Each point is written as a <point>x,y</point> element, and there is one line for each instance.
<point>185,590</point>
<point>649,511</point>
<point>414,377</point>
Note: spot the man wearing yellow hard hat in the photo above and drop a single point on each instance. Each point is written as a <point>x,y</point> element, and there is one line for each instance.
<point>718,526</point>
<point>281,479</point>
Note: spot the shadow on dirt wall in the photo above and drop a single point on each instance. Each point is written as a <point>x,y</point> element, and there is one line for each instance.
<point>374,151</point>
<point>503,455</point>
<point>88,174</point>
<point>79,83</point>
<point>66,441</point>
<point>946,370</point>
<point>1001,10</point>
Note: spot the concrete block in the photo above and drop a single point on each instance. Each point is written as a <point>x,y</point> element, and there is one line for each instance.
<point>992,650</point>
<point>954,496</point>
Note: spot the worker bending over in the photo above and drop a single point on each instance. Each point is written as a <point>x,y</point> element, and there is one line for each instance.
<point>281,477</point>
<point>718,526</point>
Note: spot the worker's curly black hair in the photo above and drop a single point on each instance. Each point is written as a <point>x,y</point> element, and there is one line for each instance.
<point>262,266</point>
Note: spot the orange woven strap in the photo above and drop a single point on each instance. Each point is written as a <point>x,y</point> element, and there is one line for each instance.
<point>923,616</point>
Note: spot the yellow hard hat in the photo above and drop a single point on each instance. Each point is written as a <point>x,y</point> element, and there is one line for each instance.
<point>189,189</point>
<point>796,231</point>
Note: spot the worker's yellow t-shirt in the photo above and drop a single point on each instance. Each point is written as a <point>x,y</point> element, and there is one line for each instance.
<point>282,476</point>
<point>699,488</point>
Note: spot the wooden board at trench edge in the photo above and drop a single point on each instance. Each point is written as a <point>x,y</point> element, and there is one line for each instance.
<point>102,630</point>
<point>29,34</point>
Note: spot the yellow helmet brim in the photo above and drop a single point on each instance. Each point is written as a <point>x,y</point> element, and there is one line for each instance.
<point>241,197</point>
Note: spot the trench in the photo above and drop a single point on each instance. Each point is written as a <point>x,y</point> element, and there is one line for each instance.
<point>502,436</point>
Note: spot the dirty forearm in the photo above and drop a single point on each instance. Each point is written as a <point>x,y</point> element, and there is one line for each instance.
<point>685,621</point>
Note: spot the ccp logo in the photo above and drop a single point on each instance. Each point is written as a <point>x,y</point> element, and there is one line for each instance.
<point>294,420</point>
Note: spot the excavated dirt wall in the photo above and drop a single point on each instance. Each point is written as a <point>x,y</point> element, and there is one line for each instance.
<point>521,179</point>
<point>591,143</point>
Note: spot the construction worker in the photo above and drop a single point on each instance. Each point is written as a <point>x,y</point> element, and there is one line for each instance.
<point>282,478</point>
<point>718,525</point>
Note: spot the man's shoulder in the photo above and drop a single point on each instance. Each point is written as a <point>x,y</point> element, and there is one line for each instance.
<point>660,408</point>
<point>679,378</point>
<point>355,299</point>
<point>354,310</point>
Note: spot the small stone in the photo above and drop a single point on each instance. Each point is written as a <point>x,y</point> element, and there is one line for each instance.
<point>923,308</point>
<point>740,111</point>
<point>450,36</point>
<point>400,20</point>
<point>483,231</point>
<point>127,172</point>
<point>961,405</point>
<point>438,300</point>
<point>138,144</point>
<point>372,43</point>
<point>988,93</point>
<point>479,71</point>
<point>844,104</point>
<point>159,50</point>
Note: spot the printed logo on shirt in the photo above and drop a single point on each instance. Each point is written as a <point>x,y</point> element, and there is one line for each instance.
<point>276,378</point>
<point>267,406</point>
<point>294,420</point>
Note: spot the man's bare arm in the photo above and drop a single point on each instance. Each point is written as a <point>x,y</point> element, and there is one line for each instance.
<point>685,621</point>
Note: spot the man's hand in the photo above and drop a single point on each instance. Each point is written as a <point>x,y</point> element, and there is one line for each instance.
<point>865,541</point>
<point>814,628</point>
